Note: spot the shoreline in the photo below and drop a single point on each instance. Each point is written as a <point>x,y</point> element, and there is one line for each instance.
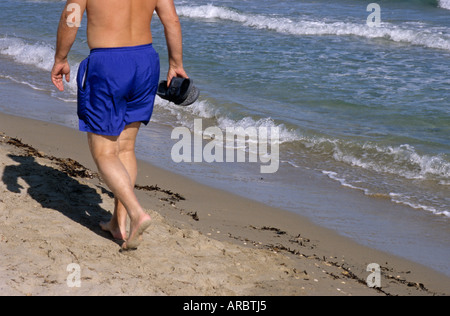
<point>227,221</point>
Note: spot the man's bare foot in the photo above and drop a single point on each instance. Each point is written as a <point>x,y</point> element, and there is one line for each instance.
<point>136,232</point>
<point>114,230</point>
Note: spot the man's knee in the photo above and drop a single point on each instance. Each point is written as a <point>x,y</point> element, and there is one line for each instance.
<point>103,147</point>
<point>126,148</point>
<point>127,143</point>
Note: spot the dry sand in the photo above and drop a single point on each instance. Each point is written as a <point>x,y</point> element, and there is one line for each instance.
<point>202,241</point>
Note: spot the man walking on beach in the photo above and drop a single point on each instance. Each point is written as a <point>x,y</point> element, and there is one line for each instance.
<point>117,85</point>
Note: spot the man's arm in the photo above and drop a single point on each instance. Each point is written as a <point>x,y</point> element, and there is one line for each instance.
<point>172,29</point>
<point>67,33</point>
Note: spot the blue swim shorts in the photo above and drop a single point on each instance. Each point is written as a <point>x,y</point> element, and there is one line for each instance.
<point>117,87</point>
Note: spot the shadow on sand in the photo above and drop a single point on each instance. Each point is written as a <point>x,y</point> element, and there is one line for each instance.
<point>54,189</point>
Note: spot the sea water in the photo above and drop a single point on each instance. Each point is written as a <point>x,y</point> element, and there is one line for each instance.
<point>363,108</point>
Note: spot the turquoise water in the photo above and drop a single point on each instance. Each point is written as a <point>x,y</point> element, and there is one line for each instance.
<point>365,108</point>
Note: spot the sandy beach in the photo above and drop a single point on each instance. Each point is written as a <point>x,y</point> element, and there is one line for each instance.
<point>202,241</point>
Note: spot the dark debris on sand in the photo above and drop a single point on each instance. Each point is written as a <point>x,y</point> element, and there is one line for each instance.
<point>74,169</point>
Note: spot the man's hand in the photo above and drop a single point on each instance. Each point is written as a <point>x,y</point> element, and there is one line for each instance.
<point>175,72</point>
<point>60,69</point>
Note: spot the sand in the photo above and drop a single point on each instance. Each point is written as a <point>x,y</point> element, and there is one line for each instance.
<point>202,241</point>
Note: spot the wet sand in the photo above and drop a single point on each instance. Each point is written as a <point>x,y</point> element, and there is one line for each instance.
<point>202,241</point>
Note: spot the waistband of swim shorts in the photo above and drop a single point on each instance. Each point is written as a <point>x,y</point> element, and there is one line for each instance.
<point>121,49</point>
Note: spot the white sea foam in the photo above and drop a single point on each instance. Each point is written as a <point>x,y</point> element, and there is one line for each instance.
<point>32,86</point>
<point>205,110</point>
<point>39,55</point>
<point>308,27</point>
<point>444,4</point>
<point>286,135</point>
<point>395,197</point>
<point>405,200</point>
<point>334,176</point>
<point>403,160</point>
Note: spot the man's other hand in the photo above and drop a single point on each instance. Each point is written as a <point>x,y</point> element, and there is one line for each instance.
<point>60,69</point>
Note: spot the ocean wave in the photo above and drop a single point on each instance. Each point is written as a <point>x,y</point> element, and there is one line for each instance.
<point>203,109</point>
<point>403,160</point>
<point>38,55</point>
<point>444,4</point>
<point>398,198</point>
<point>284,25</point>
<point>409,201</point>
<point>30,85</point>
<point>334,176</point>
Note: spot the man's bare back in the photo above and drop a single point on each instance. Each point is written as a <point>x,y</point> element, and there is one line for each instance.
<point>118,23</point>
